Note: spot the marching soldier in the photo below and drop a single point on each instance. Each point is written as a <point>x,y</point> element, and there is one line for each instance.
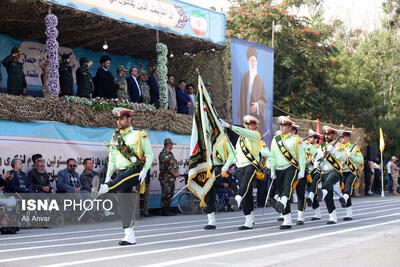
<point>168,174</point>
<point>248,149</point>
<point>287,163</point>
<point>131,154</point>
<point>223,158</point>
<point>328,160</point>
<point>350,173</point>
<point>311,147</point>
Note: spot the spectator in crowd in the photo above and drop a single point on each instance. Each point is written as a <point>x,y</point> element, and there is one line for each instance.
<point>389,171</point>
<point>18,182</point>
<point>39,177</point>
<point>87,175</point>
<point>66,78</point>
<point>68,180</point>
<point>368,174</point>
<point>376,184</point>
<point>171,93</point>
<point>394,170</point>
<point>44,77</point>
<point>135,93</point>
<point>8,203</point>
<point>154,89</point>
<point>207,84</point>
<point>226,188</point>
<point>182,98</point>
<point>121,84</point>
<point>104,80</point>
<point>192,96</point>
<point>84,78</point>
<point>35,157</point>
<point>144,87</point>
<point>16,83</point>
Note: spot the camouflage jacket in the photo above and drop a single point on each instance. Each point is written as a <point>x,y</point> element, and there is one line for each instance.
<point>167,162</point>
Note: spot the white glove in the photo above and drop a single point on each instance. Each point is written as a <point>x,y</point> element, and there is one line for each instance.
<point>316,164</point>
<point>133,159</point>
<point>273,175</point>
<point>300,175</point>
<point>225,168</point>
<point>108,179</point>
<point>142,176</point>
<point>224,124</point>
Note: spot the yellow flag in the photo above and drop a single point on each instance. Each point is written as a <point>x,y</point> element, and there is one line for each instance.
<point>381,140</point>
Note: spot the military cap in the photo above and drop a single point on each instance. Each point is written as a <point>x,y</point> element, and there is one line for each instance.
<point>311,132</point>
<point>16,50</point>
<point>393,158</point>
<point>168,141</point>
<point>118,112</point>
<point>251,51</point>
<point>346,133</point>
<point>285,120</point>
<point>250,119</point>
<point>328,129</point>
<point>207,83</point>
<point>121,68</point>
<point>295,126</point>
<point>65,56</point>
<point>104,59</point>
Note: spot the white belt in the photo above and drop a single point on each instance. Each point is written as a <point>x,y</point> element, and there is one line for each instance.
<point>281,168</point>
<point>241,165</point>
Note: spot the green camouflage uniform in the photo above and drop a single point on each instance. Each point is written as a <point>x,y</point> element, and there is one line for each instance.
<point>122,87</point>
<point>167,163</point>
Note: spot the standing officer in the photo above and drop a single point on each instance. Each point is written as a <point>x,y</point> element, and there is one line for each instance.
<point>287,163</point>
<point>223,158</point>
<point>248,149</point>
<point>350,173</point>
<point>168,173</point>
<point>16,83</point>
<point>66,78</point>
<point>84,78</point>
<point>328,160</point>
<point>131,154</point>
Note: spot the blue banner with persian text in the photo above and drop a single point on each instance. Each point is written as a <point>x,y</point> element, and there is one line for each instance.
<point>167,15</point>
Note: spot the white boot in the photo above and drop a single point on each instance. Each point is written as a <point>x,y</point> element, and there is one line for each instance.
<point>238,200</point>
<point>311,195</point>
<point>235,202</point>
<point>317,214</point>
<point>248,224</point>
<point>324,193</point>
<point>300,217</point>
<point>129,238</point>
<point>211,222</point>
<point>349,214</point>
<point>281,204</point>
<point>287,222</point>
<point>280,219</point>
<point>103,189</point>
<point>253,217</point>
<point>332,217</point>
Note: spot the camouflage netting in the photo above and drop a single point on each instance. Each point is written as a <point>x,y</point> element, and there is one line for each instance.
<point>17,108</point>
<point>212,66</point>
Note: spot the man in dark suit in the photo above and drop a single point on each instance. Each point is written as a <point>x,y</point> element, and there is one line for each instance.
<point>39,177</point>
<point>154,89</point>
<point>252,100</point>
<point>135,93</point>
<point>104,80</point>
<point>182,98</point>
<point>68,180</point>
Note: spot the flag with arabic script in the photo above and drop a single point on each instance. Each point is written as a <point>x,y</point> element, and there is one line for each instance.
<point>206,134</point>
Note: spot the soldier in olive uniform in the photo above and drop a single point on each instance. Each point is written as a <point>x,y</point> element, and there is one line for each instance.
<point>84,78</point>
<point>131,154</point>
<point>66,78</point>
<point>350,173</point>
<point>287,164</point>
<point>16,83</point>
<point>168,174</point>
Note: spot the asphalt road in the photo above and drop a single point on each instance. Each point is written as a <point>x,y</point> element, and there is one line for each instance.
<point>371,239</point>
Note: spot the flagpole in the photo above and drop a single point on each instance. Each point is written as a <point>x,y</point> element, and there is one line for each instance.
<point>383,192</point>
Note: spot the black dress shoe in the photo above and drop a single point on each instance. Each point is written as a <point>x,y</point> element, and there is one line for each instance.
<point>125,243</point>
<point>342,202</point>
<point>279,207</point>
<point>245,228</point>
<point>309,201</point>
<point>330,222</point>
<point>315,219</point>
<point>347,219</point>
<point>299,222</point>
<point>210,227</point>
<point>280,219</point>
<point>284,227</point>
